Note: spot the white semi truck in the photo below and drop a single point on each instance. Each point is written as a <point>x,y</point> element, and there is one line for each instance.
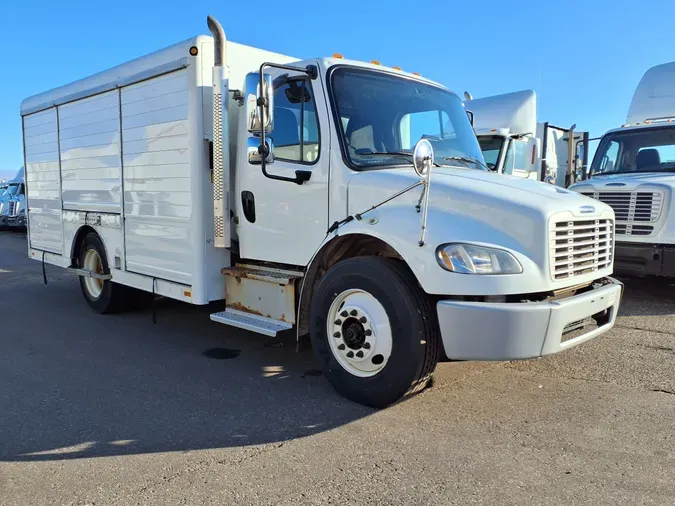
<point>513,142</point>
<point>633,170</point>
<point>342,199</point>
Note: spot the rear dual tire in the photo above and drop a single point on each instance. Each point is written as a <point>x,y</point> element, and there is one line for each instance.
<point>373,331</point>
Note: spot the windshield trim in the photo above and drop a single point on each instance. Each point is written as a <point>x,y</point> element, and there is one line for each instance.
<point>337,121</point>
<point>614,134</point>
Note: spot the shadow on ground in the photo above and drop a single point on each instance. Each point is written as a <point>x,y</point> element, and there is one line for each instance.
<point>78,385</point>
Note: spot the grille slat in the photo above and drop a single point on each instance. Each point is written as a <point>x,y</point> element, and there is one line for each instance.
<point>632,207</point>
<point>580,247</point>
<point>12,207</point>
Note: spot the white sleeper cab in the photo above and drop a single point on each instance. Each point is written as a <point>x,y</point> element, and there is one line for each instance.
<point>345,200</point>
<point>633,171</point>
<point>514,143</point>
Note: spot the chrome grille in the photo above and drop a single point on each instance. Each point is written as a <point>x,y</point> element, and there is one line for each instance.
<point>632,207</point>
<point>12,207</point>
<point>581,246</point>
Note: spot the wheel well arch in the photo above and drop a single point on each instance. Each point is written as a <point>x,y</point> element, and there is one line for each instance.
<point>332,252</point>
<point>78,240</point>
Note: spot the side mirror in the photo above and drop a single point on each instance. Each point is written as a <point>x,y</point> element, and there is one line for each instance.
<point>253,153</point>
<point>423,157</point>
<point>533,149</point>
<point>254,91</point>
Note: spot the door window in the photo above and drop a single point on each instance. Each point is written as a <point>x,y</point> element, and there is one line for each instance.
<point>296,127</point>
<point>516,157</point>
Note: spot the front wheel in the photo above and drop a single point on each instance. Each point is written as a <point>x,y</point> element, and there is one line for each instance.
<point>374,331</point>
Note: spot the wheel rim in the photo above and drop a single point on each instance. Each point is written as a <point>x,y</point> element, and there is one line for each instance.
<point>92,262</point>
<point>359,333</point>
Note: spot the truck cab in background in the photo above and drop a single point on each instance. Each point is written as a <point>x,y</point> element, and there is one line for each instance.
<point>633,171</point>
<point>13,203</point>
<point>514,143</point>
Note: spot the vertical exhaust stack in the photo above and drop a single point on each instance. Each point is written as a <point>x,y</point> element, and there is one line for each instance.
<point>221,146</point>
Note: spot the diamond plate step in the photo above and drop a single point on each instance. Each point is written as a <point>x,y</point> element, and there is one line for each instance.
<point>254,323</point>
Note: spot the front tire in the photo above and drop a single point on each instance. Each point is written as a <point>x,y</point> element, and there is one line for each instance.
<point>103,296</point>
<point>374,331</point>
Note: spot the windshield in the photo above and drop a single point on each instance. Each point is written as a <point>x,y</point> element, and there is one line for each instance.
<point>11,189</point>
<point>383,116</point>
<point>647,150</point>
<point>491,146</point>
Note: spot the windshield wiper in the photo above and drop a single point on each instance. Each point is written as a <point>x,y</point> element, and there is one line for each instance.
<point>465,159</point>
<point>392,153</point>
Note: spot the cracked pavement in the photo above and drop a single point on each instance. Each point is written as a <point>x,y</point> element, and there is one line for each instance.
<point>113,410</point>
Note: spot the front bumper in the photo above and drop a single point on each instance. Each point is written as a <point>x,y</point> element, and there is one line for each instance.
<point>512,331</point>
<point>17,221</point>
<point>633,259</point>
<point>4,221</point>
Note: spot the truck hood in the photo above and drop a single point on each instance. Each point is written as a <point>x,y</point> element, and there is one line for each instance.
<point>457,189</point>
<point>517,210</point>
<point>620,182</point>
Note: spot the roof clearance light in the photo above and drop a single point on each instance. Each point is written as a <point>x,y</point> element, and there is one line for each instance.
<point>375,62</point>
<point>194,51</point>
<point>648,122</point>
<point>338,56</point>
<point>396,68</point>
<point>416,73</point>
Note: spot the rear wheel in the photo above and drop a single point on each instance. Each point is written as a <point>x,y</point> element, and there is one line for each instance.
<point>374,331</point>
<point>103,296</point>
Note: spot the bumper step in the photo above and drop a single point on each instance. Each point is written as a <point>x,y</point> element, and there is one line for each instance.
<point>254,323</point>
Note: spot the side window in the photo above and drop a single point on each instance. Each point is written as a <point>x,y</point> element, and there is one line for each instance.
<point>296,127</point>
<point>516,157</point>
<point>423,124</point>
<point>609,161</point>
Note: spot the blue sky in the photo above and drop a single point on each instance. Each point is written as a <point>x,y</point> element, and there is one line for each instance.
<point>583,58</point>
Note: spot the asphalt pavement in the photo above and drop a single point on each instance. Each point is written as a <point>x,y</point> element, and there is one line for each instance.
<point>115,410</point>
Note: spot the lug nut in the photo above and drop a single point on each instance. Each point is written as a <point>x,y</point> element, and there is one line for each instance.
<point>350,354</point>
<point>341,347</point>
<point>353,312</point>
<point>338,322</point>
<point>359,354</point>
<point>337,334</point>
<point>366,346</point>
<point>344,314</point>
<point>363,319</point>
<point>368,332</point>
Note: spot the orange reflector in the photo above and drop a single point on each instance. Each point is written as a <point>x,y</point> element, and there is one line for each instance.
<point>375,62</point>
<point>338,55</point>
<point>194,51</point>
<point>396,68</point>
<point>416,73</point>
<point>187,294</point>
<point>534,152</point>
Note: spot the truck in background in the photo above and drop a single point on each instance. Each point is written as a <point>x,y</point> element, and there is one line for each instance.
<point>343,199</point>
<point>13,203</point>
<point>633,170</point>
<point>513,142</point>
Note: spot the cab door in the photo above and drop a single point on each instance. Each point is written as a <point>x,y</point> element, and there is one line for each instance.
<point>281,221</point>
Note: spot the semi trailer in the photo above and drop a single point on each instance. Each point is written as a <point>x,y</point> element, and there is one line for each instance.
<point>341,200</point>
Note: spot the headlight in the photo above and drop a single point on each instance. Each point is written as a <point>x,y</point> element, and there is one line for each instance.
<point>472,259</point>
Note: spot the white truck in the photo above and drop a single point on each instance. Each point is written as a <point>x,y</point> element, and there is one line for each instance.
<point>513,142</point>
<point>13,203</point>
<point>633,171</point>
<point>342,199</point>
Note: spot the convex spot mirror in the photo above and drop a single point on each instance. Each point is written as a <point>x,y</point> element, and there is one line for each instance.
<point>423,157</point>
<point>253,91</point>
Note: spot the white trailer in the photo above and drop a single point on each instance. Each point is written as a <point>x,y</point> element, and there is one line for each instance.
<point>633,171</point>
<point>343,199</point>
<point>513,142</point>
